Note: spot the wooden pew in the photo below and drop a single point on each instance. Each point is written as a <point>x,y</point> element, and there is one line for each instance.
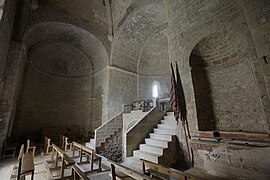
<point>125,172</point>
<point>66,161</point>
<point>47,144</point>
<point>26,164</point>
<point>91,156</point>
<point>66,144</point>
<point>78,174</point>
<point>29,147</point>
<point>162,172</point>
<point>9,148</point>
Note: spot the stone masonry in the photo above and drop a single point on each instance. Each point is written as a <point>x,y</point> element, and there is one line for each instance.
<point>59,70</point>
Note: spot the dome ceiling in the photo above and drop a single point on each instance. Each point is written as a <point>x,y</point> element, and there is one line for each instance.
<point>62,59</point>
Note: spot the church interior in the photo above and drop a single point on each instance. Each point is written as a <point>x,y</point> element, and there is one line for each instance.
<point>87,88</point>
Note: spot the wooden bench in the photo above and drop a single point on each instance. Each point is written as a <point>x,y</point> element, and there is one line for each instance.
<point>92,157</point>
<point>125,172</point>
<point>66,161</point>
<point>66,143</point>
<point>78,174</point>
<point>26,164</point>
<point>47,144</point>
<point>29,147</point>
<point>162,172</point>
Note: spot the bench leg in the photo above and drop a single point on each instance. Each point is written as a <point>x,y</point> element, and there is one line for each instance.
<point>113,172</point>
<point>32,176</point>
<point>56,160</point>
<point>62,168</point>
<point>52,153</point>
<point>75,175</point>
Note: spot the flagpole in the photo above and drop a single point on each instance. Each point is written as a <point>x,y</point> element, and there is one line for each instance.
<point>184,124</point>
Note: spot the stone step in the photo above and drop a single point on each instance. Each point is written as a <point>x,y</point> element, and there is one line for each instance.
<point>90,145</point>
<point>169,118</point>
<point>165,131</point>
<point>151,149</point>
<point>157,143</point>
<point>169,122</point>
<point>163,137</point>
<point>166,126</point>
<point>146,155</point>
<point>170,113</point>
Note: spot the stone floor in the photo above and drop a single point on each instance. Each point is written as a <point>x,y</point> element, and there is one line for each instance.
<point>8,169</point>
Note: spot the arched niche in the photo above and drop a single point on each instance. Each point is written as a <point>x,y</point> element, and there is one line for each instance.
<point>58,90</point>
<point>225,92</point>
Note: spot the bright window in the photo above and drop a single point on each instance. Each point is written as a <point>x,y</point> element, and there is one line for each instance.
<point>155,91</point>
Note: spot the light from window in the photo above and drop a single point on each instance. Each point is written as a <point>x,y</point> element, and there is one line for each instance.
<point>155,91</point>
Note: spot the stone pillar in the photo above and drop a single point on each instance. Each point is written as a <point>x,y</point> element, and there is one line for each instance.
<point>12,83</point>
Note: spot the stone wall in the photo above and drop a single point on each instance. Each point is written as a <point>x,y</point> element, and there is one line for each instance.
<point>59,91</point>
<point>139,28</point>
<point>233,161</point>
<point>186,32</point>
<point>12,85</point>
<point>100,95</point>
<point>223,84</point>
<point>6,24</point>
<point>51,101</point>
<point>190,22</point>
<point>122,90</point>
<point>257,15</point>
<point>153,66</point>
<point>7,8</point>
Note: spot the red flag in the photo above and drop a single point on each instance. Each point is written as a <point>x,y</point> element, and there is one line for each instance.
<point>173,95</point>
<point>180,96</point>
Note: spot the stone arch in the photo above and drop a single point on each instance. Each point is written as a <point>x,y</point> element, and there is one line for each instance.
<point>132,48</point>
<point>139,25</point>
<point>58,86</point>
<point>224,84</point>
<point>77,37</point>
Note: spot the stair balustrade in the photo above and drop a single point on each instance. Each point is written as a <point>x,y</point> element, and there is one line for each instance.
<point>135,132</point>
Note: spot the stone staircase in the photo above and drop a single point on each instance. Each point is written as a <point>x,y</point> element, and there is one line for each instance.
<point>160,147</point>
<point>105,131</point>
<point>112,148</point>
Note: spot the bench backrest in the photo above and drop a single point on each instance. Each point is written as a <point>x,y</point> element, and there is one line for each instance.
<point>88,151</point>
<point>127,171</point>
<point>78,174</point>
<point>167,171</point>
<point>21,152</point>
<point>58,150</point>
<point>63,155</point>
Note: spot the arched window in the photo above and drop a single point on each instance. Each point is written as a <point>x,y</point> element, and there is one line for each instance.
<point>155,89</point>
